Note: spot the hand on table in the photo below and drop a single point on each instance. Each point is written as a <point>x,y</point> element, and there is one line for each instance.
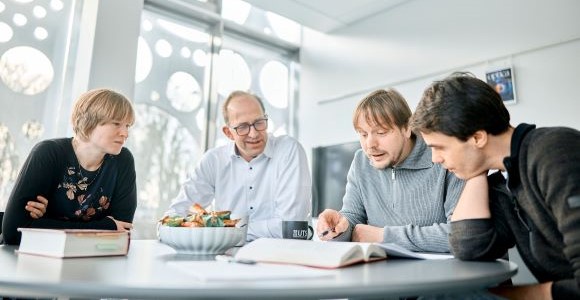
<point>367,234</point>
<point>330,224</point>
<point>122,226</point>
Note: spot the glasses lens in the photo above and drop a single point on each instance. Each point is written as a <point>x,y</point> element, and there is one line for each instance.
<point>243,129</point>
<point>261,125</point>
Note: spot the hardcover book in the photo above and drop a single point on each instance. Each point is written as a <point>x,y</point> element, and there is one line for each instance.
<point>73,242</point>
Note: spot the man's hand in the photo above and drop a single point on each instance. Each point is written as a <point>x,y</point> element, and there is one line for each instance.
<point>330,224</point>
<point>367,234</point>
<point>37,208</point>
<point>474,200</point>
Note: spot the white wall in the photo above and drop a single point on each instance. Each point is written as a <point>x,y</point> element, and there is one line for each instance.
<point>423,40</point>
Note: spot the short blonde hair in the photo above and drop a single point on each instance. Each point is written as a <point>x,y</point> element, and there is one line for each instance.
<point>97,107</point>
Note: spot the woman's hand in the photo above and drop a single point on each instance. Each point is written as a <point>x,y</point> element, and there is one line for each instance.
<point>122,226</point>
<point>37,208</point>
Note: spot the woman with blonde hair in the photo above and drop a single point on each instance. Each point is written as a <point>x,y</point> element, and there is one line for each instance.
<point>83,182</point>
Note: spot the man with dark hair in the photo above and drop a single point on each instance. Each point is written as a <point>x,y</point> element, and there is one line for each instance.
<point>535,207</point>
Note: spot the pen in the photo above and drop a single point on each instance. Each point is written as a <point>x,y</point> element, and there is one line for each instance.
<point>231,259</point>
<point>327,231</point>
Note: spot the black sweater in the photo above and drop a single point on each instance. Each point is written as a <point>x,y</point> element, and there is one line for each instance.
<point>538,210</point>
<point>76,198</point>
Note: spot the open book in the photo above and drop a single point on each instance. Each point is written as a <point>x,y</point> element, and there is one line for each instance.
<point>310,253</point>
<point>325,254</point>
<point>73,242</point>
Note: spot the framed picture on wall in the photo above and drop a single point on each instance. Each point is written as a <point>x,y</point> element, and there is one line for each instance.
<point>502,80</point>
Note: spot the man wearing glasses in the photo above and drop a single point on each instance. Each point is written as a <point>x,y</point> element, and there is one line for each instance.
<point>257,175</point>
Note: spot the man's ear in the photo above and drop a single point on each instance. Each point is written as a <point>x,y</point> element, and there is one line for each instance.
<point>228,132</point>
<point>480,138</point>
<point>407,131</point>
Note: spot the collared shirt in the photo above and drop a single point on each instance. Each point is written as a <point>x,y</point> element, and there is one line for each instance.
<point>272,187</point>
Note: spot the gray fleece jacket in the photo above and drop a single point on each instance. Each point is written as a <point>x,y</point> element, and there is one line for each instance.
<point>413,201</point>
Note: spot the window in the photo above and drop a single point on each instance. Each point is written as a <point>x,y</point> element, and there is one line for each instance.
<point>264,70</point>
<point>187,64</point>
<point>190,56</point>
<point>34,47</point>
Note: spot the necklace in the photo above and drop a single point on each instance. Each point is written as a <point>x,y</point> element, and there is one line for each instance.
<point>82,183</point>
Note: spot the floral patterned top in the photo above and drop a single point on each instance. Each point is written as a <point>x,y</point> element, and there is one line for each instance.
<point>77,198</point>
<point>85,192</point>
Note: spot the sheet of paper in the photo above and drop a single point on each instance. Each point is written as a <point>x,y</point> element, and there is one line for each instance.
<point>225,271</point>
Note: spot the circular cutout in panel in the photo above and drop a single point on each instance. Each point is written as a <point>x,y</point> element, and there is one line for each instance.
<point>274,83</point>
<point>146,25</point>
<point>40,33</point>
<point>56,5</point>
<point>26,70</point>
<point>6,32</point>
<point>144,60</point>
<point>183,91</point>
<point>200,58</point>
<point>19,19</point>
<point>154,96</point>
<point>32,129</point>
<point>185,52</point>
<point>163,48</point>
<point>39,11</point>
<point>233,73</point>
<point>200,119</point>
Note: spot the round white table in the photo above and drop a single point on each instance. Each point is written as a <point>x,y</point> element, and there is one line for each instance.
<point>145,273</point>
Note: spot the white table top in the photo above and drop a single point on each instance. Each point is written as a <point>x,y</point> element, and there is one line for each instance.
<point>145,273</point>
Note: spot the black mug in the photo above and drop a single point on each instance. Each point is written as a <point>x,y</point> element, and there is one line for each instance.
<point>299,230</point>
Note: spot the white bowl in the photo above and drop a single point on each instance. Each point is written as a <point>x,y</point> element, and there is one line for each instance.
<point>202,240</point>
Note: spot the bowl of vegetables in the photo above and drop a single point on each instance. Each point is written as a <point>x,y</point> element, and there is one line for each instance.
<point>203,232</point>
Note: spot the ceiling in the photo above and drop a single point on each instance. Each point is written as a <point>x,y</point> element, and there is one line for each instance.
<point>326,15</point>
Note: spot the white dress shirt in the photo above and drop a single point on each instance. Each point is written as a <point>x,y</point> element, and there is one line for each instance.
<point>272,187</point>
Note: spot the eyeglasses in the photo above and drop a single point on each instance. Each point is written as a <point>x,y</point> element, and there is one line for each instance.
<point>259,125</point>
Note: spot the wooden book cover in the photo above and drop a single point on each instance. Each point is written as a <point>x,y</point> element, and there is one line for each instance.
<point>73,242</point>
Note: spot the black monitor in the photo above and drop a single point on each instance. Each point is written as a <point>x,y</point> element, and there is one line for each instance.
<point>330,165</point>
